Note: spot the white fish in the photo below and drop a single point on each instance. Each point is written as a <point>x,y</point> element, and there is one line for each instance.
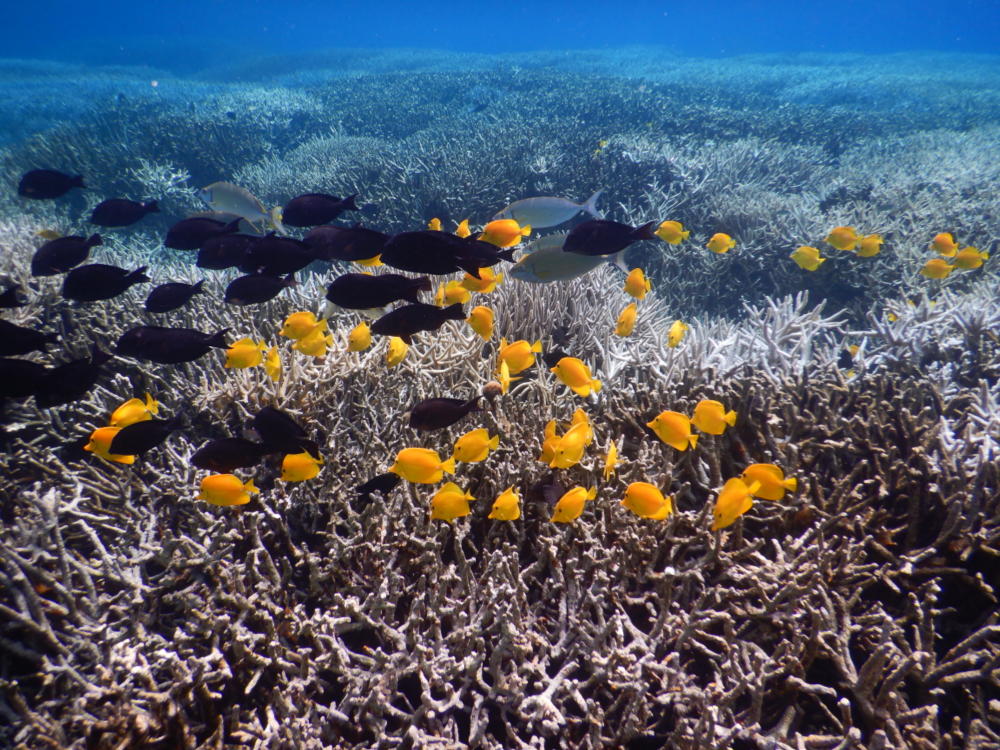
<point>230,198</point>
<point>544,211</point>
<point>547,262</point>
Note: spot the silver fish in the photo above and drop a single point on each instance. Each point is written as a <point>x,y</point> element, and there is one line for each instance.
<point>546,261</point>
<point>230,198</point>
<point>545,211</point>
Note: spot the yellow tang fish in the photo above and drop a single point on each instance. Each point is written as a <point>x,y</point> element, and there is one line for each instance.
<point>646,501</point>
<point>504,232</point>
<point>519,355</point>
<point>568,450</point>
<point>610,461</point>
<point>450,293</point>
<point>486,282</point>
<point>807,257</point>
<point>626,320</point>
<point>734,500</point>
<point>462,230</point>
<point>720,242</point>
<point>711,417</point>
<point>434,224</point>
<point>272,364</point>
<point>481,321</point>
<point>396,351</point>
<point>936,268</point>
<point>549,442</point>
<point>570,505</point>
<point>676,333</point>
<point>672,232</point>
<point>575,374</point>
<point>674,429</point>
<point>507,507</point>
<point>100,442</point>
<point>843,238</point>
<point>970,257</point>
<point>360,337</point>
<point>315,344</point>
<point>226,489</point>
<point>450,502</point>
<point>870,245</point>
<point>245,353</point>
<point>505,378</point>
<point>474,446</point>
<point>773,483</point>
<point>944,244</point>
<point>298,467</point>
<point>636,284</point>
<point>421,466</point>
<point>134,410</point>
<point>580,418</point>
<point>298,325</point>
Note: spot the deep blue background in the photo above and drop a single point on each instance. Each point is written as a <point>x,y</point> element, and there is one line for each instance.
<point>208,31</point>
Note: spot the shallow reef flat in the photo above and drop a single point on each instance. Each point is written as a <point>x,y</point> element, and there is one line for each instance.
<point>859,611</point>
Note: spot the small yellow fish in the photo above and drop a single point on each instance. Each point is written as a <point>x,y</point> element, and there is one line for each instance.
<point>568,450</point>
<point>504,377</point>
<point>944,244</point>
<point>519,355</point>
<point>422,466</point>
<point>676,333</point>
<point>569,507</point>
<point>481,321</point>
<point>272,364</point>
<point>486,283</point>
<point>549,442</point>
<point>298,467</point>
<point>316,343</point>
<point>245,353</point>
<point>507,507</point>
<point>807,257</point>
<point>771,478</point>
<point>610,460</point>
<point>843,238</point>
<point>720,242</point>
<point>451,292</point>
<point>298,325</point>
<point>450,502</point>
<point>870,245</point>
<point>360,337</point>
<point>371,262</point>
<point>636,284</point>
<point>100,442</point>
<point>580,418</point>
<point>395,352</point>
<point>475,446</point>
<point>970,257</point>
<point>711,417</point>
<point>134,410</point>
<point>891,316</point>
<point>626,320</point>
<point>672,232</point>
<point>504,232</point>
<point>462,230</point>
<point>674,429</point>
<point>575,374</point>
<point>733,501</point>
<point>936,268</point>
<point>646,501</point>
<point>226,489</point>
<point>434,224</point>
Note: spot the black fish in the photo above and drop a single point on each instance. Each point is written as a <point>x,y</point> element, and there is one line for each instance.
<point>20,378</point>
<point>225,251</point>
<point>47,183</point>
<point>427,251</point>
<point>486,254</point>
<point>137,438</point>
<point>226,454</point>
<point>438,413</point>
<point>169,346</point>
<point>345,243</point>
<point>312,209</point>
<point>9,300</point>
<point>15,339</point>
<point>191,234</point>
<point>60,255</point>
<point>170,296</point>
<point>71,381</point>
<point>282,434</point>
<point>384,483</point>
<point>119,212</point>
<point>97,281</point>
<point>276,256</point>
<point>605,237</point>
<point>410,319</point>
<point>359,291</point>
<point>249,290</point>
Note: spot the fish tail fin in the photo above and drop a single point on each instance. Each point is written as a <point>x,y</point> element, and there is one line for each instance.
<point>595,385</point>
<point>470,266</point>
<point>422,284</point>
<point>137,276</point>
<point>250,487</point>
<point>537,346</point>
<point>448,467</point>
<point>645,232</point>
<point>454,312</point>
<point>507,254</point>
<point>349,204</point>
<point>197,288</point>
<point>152,405</point>
<point>592,493</point>
<point>590,206</point>
<point>218,339</point>
<point>730,418</point>
<point>494,442</point>
<point>526,230</point>
<point>692,441</point>
<point>791,484</point>
<point>94,239</point>
<point>98,356</point>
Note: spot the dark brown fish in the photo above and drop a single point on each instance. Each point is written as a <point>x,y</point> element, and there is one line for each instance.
<point>438,413</point>
<point>20,378</point>
<point>170,296</point>
<point>15,339</point>
<point>9,299</point>
<point>47,183</point>
<point>282,434</point>
<point>135,439</point>
<point>382,483</point>
<point>227,454</point>
<point>62,254</point>
<point>71,381</point>
<point>410,319</point>
<point>119,212</point>
<point>605,237</point>
<point>191,234</point>
<point>345,243</point>
<point>360,291</point>
<point>312,209</point>
<point>169,346</point>
<point>255,288</point>
<point>97,281</point>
